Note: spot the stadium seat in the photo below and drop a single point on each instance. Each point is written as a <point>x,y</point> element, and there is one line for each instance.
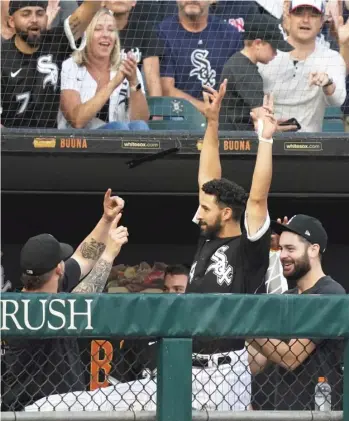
<point>333,120</point>
<point>177,113</point>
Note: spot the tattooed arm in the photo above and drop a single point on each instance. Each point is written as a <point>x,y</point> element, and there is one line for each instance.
<point>91,249</point>
<point>96,280</point>
<point>82,17</point>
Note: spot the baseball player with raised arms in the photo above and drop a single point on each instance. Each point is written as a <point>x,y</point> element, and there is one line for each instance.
<point>229,259</point>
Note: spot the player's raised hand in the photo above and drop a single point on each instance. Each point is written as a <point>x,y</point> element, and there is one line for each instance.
<point>118,236</point>
<point>213,101</point>
<point>263,118</point>
<point>275,238</point>
<point>282,221</point>
<point>113,205</point>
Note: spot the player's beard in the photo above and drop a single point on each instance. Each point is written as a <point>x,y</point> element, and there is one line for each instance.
<point>301,268</point>
<point>31,40</point>
<point>211,231</point>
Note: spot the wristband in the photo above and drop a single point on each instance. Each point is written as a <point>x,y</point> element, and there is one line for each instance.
<point>135,88</point>
<point>261,139</point>
<point>329,83</point>
<point>260,132</point>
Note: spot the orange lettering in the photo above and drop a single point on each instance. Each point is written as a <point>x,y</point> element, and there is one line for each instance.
<point>71,143</point>
<point>101,358</point>
<point>236,145</point>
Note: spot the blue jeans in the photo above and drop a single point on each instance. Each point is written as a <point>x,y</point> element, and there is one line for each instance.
<point>137,126</point>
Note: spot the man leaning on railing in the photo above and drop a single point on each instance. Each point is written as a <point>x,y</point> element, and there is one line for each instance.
<point>140,362</point>
<point>301,362</point>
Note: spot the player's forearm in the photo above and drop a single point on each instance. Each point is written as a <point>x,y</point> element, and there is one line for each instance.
<point>256,360</point>
<point>262,174</point>
<point>96,280</point>
<point>91,249</point>
<point>278,352</point>
<point>210,164</point>
<point>272,349</point>
<point>82,17</point>
<point>82,114</point>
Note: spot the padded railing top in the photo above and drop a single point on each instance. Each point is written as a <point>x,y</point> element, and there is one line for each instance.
<point>181,316</point>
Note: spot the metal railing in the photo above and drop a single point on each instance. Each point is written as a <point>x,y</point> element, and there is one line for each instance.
<point>176,320</point>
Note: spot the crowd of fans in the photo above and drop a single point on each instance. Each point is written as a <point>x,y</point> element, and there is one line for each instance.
<point>92,65</point>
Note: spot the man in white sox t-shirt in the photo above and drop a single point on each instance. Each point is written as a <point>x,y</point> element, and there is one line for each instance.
<point>311,76</point>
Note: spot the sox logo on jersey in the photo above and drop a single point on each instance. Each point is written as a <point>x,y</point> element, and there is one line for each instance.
<point>46,66</point>
<point>220,266</point>
<point>202,67</point>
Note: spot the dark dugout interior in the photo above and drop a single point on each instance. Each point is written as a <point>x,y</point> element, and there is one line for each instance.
<point>160,227</point>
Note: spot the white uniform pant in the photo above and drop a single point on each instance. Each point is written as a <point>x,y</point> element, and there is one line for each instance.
<point>224,387</point>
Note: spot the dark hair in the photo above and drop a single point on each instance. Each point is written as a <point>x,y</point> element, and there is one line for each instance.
<point>32,283</point>
<point>249,42</point>
<point>228,194</point>
<point>177,270</point>
<point>308,244</point>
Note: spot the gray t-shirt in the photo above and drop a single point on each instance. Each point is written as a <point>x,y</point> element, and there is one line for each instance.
<point>295,389</point>
<point>244,92</point>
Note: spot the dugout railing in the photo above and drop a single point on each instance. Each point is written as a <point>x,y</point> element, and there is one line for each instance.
<point>174,321</point>
<point>166,162</point>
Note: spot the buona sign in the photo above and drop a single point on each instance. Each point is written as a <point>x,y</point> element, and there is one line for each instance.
<point>44,314</point>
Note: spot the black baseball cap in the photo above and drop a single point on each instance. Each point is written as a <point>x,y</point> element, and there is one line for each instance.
<point>305,226</point>
<point>265,27</point>
<point>42,253</point>
<point>15,5</point>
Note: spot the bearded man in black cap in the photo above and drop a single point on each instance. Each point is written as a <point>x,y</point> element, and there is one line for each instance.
<point>303,240</point>
<point>31,61</point>
<point>34,368</point>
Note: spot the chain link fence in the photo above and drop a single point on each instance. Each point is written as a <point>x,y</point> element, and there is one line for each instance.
<point>115,374</point>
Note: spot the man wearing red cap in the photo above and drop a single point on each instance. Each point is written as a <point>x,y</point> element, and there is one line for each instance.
<point>310,77</point>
